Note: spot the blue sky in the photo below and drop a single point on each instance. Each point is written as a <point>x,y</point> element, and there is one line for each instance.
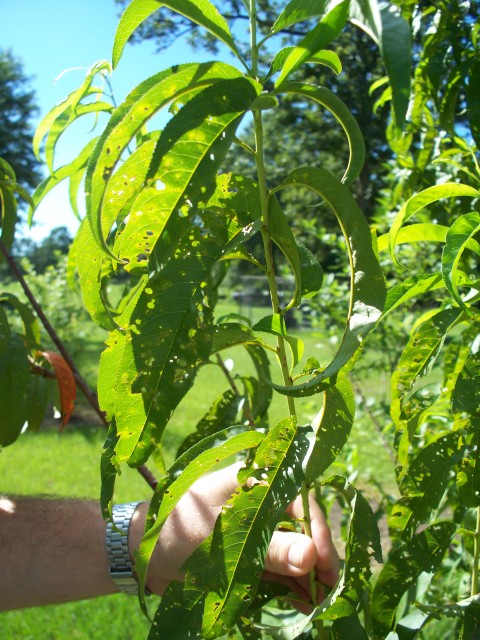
<point>50,36</point>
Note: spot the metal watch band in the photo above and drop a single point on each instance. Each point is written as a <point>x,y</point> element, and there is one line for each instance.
<point>121,567</point>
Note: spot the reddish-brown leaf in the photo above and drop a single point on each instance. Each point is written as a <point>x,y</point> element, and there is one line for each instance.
<point>66,383</point>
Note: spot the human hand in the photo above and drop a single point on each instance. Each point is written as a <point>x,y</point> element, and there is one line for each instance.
<point>290,558</point>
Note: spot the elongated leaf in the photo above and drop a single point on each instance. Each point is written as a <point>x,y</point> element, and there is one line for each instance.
<point>187,469</point>
<point>367,292</point>
<point>363,544</point>
<point>416,360</point>
<point>202,12</point>
<point>282,234</point>
<point>275,325</point>
<point>130,117</point>
<point>229,334</point>
<point>411,288</point>
<point>332,428</point>
<point>220,415</point>
<point>241,537</point>
<point>344,117</point>
<point>459,234</point>
<point>349,628</point>
<point>423,485</point>
<point>325,57</point>
<point>14,383</point>
<point>188,155</point>
<point>299,10</point>
<point>62,115</point>
<point>66,384</point>
<point>423,554</point>
<point>261,396</point>
<point>31,326</point>
<point>77,167</point>
<point>421,200</point>
<point>419,232</point>
<point>317,38</point>
<point>311,273</point>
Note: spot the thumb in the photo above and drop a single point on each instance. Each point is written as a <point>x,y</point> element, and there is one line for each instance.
<point>290,554</point>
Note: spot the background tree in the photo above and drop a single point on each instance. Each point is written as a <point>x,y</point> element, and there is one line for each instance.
<point>17,106</point>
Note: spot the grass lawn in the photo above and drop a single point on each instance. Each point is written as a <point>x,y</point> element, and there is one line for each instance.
<point>68,465</point>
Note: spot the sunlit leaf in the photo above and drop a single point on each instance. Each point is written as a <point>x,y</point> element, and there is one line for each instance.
<point>275,325</point>
<point>423,484</point>
<point>423,554</point>
<point>344,117</point>
<point>367,290</point>
<point>462,230</point>
<point>201,12</point>
<point>332,428</point>
<point>328,28</point>
<point>421,200</point>
<point>325,57</point>
<point>299,10</point>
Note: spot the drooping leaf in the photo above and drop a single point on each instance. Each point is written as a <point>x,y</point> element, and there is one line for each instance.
<point>367,291</point>
<point>424,484</point>
<point>31,327</point>
<point>311,272</point>
<point>349,628</point>
<point>202,12</point>
<point>416,360</point>
<point>462,230</point>
<point>66,383</point>
<point>275,325</point>
<point>37,404</point>
<point>130,117</point>
<point>187,469</point>
<point>62,115</point>
<point>363,544</point>
<point>261,396</point>
<point>421,200</point>
<point>298,11</point>
<point>14,383</point>
<point>332,428</point>
<point>410,288</point>
<point>220,415</point>
<point>344,117</point>
<point>241,536</point>
<point>328,28</point>
<point>422,554</point>
<point>229,334</point>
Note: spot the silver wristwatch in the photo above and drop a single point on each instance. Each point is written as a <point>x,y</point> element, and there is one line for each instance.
<point>116,540</point>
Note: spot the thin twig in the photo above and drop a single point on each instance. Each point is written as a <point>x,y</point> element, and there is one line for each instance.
<point>89,394</point>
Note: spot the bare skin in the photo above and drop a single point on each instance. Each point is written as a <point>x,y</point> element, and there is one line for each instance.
<point>53,551</point>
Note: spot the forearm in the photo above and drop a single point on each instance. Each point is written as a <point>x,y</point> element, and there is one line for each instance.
<point>51,551</point>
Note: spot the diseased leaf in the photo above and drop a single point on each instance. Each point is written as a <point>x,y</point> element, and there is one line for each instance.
<point>423,554</point>
<point>344,117</point>
<point>424,484</point>
<point>332,428</point>
<point>66,383</point>
<point>460,233</point>
<point>221,414</point>
<point>201,12</point>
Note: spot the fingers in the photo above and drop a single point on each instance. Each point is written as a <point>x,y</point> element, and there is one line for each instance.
<point>291,554</point>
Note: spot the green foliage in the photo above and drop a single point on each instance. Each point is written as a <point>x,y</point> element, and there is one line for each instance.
<point>166,219</point>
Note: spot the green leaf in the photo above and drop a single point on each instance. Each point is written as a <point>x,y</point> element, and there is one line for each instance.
<point>202,12</point>
<point>349,628</point>
<point>424,484</point>
<point>460,233</point>
<point>385,25</point>
<point>410,288</point>
<point>74,170</point>
<point>261,396</point>
<point>363,544</point>
<point>311,272</point>
<point>330,25</point>
<point>14,383</point>
<point>221,414</point>
<point>367,287</point>
<point>129,118</point>
<point>62,115</point>
<point>37,404</point>
<point>187,469</point>
<point>423,554</point>
<point>229,334</point>
<point>241,537</point>
<point>31,326</point>
<point>275,325</point>
<point>344,117</point>
<point>298,11</point>
<point>325,57</point>
<point>421,200</point>
<point>332,428</point>
<point>416,361</point>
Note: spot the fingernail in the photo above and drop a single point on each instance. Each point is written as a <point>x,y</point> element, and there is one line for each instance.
<point>295,555</point>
